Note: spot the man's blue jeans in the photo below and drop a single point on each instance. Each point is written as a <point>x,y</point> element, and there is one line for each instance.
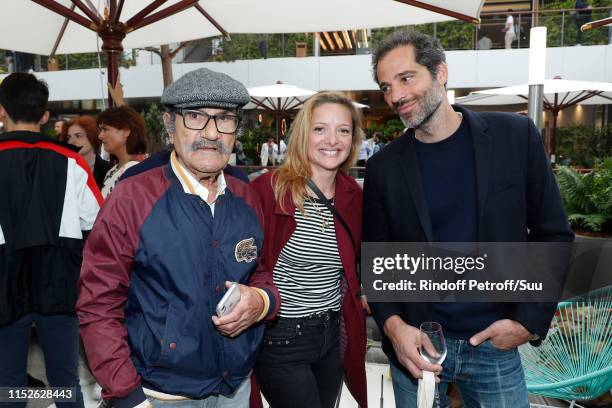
<point>59,339</point>
<point>486,377</point>
<point>239,399</point>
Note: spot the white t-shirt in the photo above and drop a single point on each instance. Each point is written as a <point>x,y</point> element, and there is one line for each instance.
<point>510,25</point>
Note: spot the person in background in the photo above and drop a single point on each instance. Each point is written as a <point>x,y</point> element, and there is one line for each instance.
<point>508,29</point>
<point>363,155</point>
<point>269,153</point>
<point>123,135</point>
<point>378,142</point>
<point>240,154</point>
<point>82,132</point>
<point>282,149</point>
<point>58,127</point>
<point>49,203</point>
<point>484,43</point>
<point>371,143</point>
<point>319,336</point>
<point>581,16</point>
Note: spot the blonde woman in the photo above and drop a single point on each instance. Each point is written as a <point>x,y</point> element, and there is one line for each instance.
<point>319,336</point>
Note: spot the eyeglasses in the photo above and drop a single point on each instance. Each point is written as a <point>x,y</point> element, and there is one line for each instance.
<point>197,120</point>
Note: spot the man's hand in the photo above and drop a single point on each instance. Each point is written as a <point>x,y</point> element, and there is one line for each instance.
<point>244,314</point>
<point>406,341</point>
<point>504,334</point>
<point>116,91</point>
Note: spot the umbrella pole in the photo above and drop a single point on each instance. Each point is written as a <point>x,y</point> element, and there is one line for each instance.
<point>553,140</point>
<point>112,73</point>
<point>112,34</point>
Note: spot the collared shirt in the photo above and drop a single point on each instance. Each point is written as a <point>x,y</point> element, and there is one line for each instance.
<point>193,186</point>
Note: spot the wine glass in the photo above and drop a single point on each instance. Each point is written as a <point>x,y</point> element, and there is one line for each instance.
<point>433,347</point>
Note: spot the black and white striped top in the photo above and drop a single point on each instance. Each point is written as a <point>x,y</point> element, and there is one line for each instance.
<point>308,270</point>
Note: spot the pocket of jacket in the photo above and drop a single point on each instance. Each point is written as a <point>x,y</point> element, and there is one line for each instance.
<point>169,341</point>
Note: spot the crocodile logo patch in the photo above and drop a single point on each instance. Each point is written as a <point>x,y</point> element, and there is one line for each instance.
<point>246,251</point>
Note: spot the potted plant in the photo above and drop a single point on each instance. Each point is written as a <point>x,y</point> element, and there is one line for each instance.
<point>588,198</point>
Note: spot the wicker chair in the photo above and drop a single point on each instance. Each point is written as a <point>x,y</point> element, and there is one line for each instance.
<point>574,363</point>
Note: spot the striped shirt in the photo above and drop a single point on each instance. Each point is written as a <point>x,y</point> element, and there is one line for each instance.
<point>309,269</point>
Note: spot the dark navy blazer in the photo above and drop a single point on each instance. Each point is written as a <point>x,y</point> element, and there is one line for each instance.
<point>517,196</point>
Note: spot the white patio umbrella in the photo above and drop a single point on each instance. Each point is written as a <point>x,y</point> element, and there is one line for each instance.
<point>559,94</point>
<point>49,27</point>
<point>278,99</point>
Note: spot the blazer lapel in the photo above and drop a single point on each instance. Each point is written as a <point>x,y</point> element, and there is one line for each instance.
<point>410,169</point>
<point>483,155</point>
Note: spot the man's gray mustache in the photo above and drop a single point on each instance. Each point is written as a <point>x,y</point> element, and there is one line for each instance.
<point>203,144</point>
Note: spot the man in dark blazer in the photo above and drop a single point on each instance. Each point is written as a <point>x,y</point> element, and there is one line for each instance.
<point>457,176</point>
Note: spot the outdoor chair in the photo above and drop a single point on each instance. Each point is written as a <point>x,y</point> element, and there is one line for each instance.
<point>574,362</point>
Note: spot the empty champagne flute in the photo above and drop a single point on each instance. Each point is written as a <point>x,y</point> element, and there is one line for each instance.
<point>433,347</point>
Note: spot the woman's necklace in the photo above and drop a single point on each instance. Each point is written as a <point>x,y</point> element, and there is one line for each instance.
<point>322,215</point>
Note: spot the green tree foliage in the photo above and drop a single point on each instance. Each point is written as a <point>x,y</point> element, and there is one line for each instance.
<point>79,61</point>
<point>157,139</point>
<point>389,128</point>
<point>246,46</point>
<point>90,60</point>
<point>582,144</point>
<point>378,34</point>
<point>556,23</point>
<point>588,197</point>
<point>3,67</point>
<point>453,35</point>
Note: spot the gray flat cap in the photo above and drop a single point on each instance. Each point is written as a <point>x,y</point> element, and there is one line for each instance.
<point>205,88</point>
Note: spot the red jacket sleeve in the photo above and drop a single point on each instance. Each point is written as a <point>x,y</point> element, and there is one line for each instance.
<point>103,288</point>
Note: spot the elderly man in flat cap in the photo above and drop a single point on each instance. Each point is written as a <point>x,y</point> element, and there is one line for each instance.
<point>166,246</point>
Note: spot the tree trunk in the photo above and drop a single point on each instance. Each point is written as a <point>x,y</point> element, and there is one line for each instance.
<point>166,59</point>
